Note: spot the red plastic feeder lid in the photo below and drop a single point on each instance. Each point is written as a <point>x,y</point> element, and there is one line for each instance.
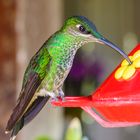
<point>116,103</point>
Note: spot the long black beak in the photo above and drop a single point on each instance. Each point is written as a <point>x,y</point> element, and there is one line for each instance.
<point>113,46</point>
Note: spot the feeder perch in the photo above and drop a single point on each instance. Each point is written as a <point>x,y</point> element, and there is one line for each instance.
<point>116,103</point>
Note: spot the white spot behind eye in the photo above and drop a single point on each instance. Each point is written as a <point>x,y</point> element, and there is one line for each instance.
<point>78,25</point>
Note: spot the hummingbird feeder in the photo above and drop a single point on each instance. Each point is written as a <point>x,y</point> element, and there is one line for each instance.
<point>116,103</point>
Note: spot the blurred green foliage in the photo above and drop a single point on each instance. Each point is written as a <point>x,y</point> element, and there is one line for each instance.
<point>74,132</point>
<point>43,138</point>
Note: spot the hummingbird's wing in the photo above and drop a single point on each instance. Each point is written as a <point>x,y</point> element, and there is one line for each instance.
<point>33,77</point>
<point>35,108</point>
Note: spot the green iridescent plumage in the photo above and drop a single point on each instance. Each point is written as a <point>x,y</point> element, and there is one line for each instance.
<point>48,68</point>
<point>38,64</point>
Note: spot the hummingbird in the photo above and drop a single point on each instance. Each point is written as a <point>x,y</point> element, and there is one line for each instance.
<point>48,68</point>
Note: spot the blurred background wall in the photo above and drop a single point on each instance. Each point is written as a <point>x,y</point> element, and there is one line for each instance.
<point>26,24</point>
<point>7,62</point>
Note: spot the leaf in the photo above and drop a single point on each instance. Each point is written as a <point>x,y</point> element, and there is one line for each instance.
<point>43,138</point>
<point>74,131</point>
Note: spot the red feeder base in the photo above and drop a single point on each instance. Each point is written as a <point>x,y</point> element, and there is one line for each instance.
<point>116,103</point>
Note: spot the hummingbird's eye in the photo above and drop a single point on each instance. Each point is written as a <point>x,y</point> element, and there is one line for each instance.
<point>82,29</point>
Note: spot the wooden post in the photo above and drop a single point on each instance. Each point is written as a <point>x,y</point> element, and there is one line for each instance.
<point>7,62</point>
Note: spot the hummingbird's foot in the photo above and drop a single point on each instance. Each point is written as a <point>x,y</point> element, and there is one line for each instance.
<point>54,99</point>
<point>61,94</point>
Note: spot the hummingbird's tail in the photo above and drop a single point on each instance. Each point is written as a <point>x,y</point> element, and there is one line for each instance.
<point>30,114</point>
<point>16,129</point>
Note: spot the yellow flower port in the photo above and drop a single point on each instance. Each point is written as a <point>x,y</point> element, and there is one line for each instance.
<point>126,71</point>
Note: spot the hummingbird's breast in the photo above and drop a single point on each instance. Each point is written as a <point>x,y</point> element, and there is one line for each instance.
<point>62,49</point>
<point>59,69</point>
<point>63,67</point>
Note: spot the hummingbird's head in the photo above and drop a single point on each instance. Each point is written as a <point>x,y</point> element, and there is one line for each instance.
<point>82,28</point>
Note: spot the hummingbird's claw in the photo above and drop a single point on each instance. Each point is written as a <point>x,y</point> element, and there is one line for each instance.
<point>54,99</point>
<point>58,98</point>
<point>61,95</point>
